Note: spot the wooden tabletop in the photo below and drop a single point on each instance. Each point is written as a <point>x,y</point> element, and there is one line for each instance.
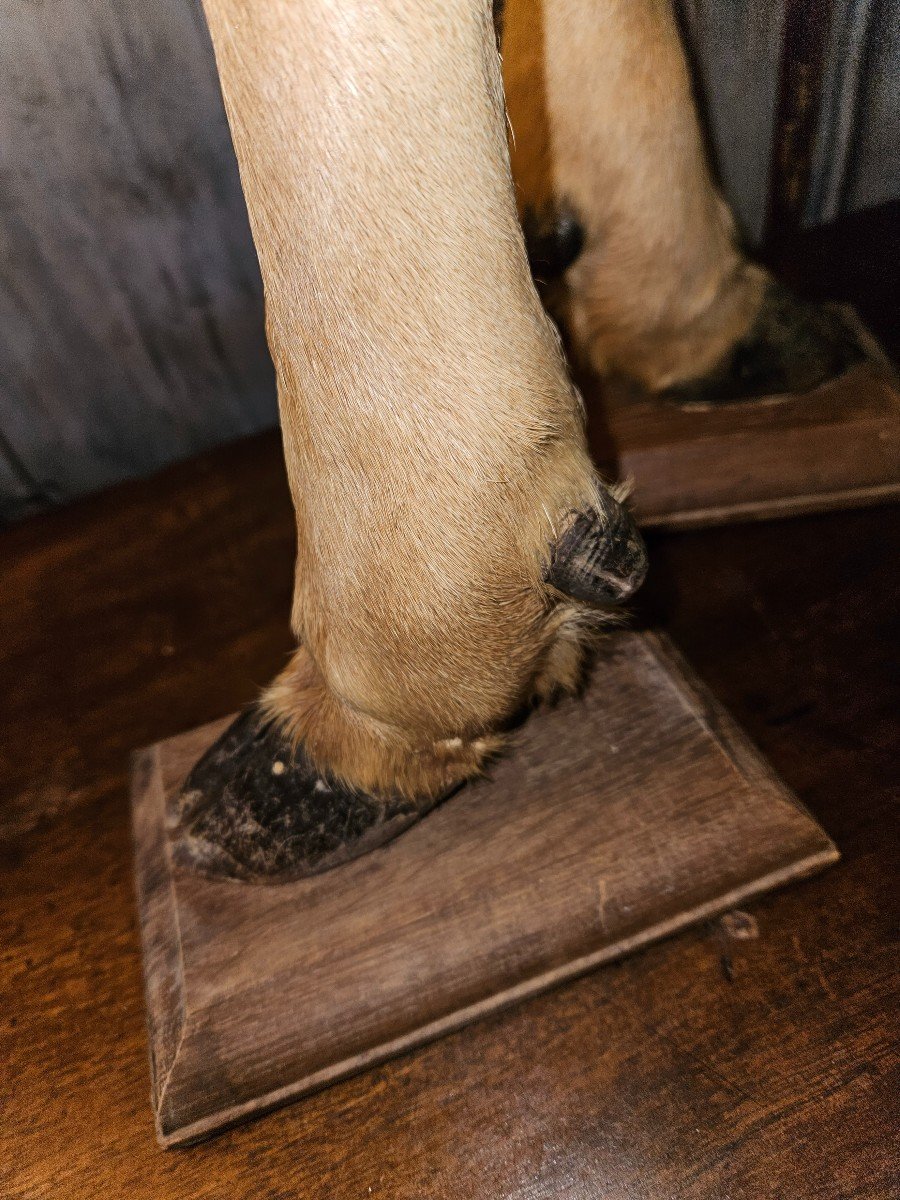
<point>754,1057</point>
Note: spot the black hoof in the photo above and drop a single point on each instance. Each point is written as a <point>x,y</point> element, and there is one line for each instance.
<point>792,347</point>
<point>255,809</point>
<point>600,558</point>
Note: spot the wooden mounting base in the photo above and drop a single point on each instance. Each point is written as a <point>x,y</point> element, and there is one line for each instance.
<point>836,447</point>
<point>619,818</point>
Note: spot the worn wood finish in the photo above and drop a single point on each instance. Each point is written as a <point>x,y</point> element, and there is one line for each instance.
<point>837,447</point>
<point>707,1066</point>
<point>619,817</point>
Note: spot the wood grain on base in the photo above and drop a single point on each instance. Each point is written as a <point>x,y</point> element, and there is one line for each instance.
<point>619,818</point>
<point>837,447</point>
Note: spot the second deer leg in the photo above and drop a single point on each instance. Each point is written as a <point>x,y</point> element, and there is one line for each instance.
<point>616,192</point>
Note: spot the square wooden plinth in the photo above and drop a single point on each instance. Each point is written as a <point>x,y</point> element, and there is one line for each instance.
<point>836,447</point>
<point>618,818</point>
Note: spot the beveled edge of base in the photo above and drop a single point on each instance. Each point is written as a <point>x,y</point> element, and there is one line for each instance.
<point>198,1131</point>
<point>875,371</point>
<point>768,510</point>
<point>162,965</point>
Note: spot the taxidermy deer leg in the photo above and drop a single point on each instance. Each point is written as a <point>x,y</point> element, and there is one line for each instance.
<point>618,204</point>
<point>454,545</point>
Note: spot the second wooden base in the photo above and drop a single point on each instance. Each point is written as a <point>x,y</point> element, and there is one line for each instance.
<point>618,818</point>
<point>836,447</point>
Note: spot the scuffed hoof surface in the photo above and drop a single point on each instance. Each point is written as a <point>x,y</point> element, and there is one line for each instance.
<point>600,559</point>
<point>792,347</point>
<point>255,809</point>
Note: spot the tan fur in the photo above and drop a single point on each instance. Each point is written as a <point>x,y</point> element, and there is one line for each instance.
<point>661,290</point>
<point>432,438</point>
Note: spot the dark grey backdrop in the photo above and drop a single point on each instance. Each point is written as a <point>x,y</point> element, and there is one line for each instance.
<point>130,300</point>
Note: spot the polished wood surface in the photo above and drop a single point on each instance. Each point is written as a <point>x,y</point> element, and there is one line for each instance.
<point>619,817</point>
<point>747,1058</point>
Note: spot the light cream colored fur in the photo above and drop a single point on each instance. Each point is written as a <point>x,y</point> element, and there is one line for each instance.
<point>432,438</point>
<point>602,117</point>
